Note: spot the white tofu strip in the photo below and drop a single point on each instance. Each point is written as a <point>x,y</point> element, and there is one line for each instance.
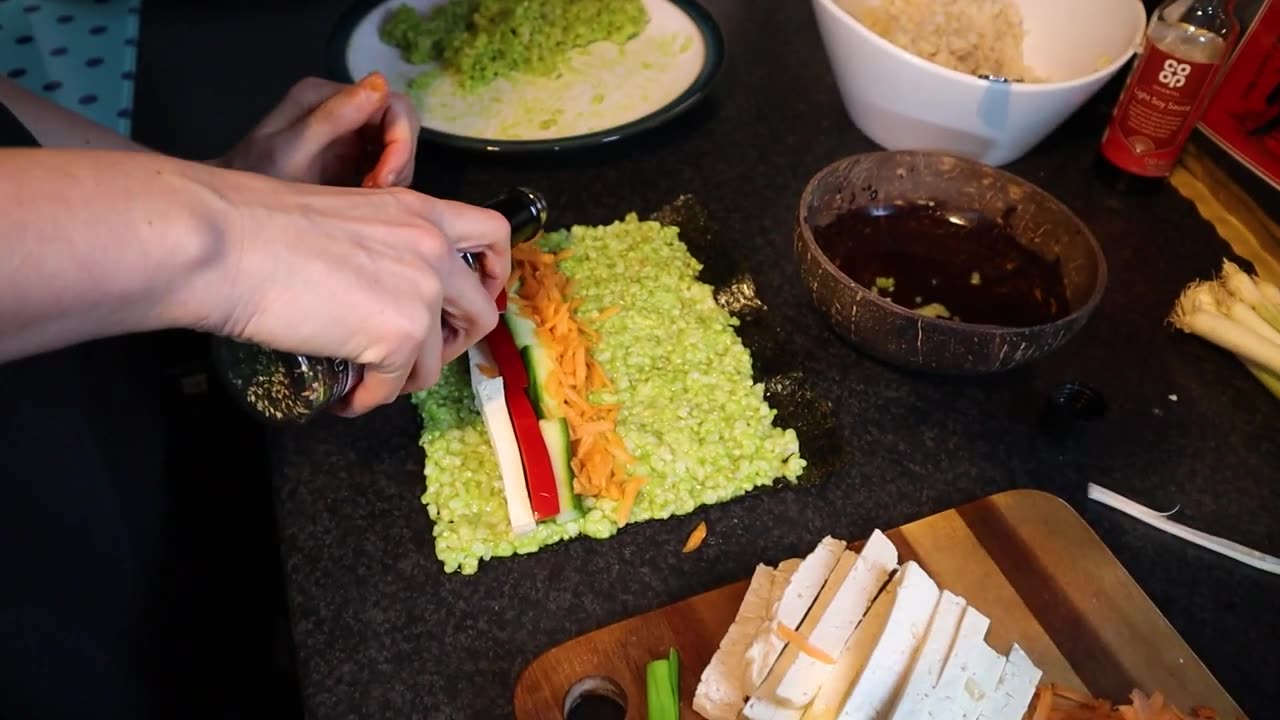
<point>875,684</point>
<point>940,704</point>
<point>980,684</point>
<point>720,694</point>
<point>491,401</point>
<point>927,665</point>
<point>849,591</point>
<point>791,608</point>
<point>1015,689</point>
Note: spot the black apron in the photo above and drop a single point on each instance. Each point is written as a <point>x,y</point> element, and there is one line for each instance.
<point>89,604</point>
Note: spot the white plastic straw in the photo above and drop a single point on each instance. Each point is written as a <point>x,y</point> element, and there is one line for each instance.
<point>1234,550</point>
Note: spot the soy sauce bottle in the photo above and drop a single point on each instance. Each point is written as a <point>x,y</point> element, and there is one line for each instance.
<point>1183,55</point>
<point>284,387</point>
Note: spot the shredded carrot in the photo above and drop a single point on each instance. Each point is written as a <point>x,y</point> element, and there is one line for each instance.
<point>1055,702</point>
<point>629,499</point>
<point>696,537</point>
<point>599,458</point>
<point>592,429</point>
<point>488,370</point>
<point>802,643</point>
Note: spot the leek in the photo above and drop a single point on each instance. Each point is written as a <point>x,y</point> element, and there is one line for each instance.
<point>1235,312</point>
<point>1245,288</point>
<point>1269,291</point>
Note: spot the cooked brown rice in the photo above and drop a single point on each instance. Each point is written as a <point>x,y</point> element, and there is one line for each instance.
<point>970,36</point>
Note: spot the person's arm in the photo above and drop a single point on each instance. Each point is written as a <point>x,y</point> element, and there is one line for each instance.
<point>321,132</point>
<point>98,243</point>
<point>55,126</point>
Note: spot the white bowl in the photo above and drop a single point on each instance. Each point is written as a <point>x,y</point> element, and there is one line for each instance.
<point>904,102</point>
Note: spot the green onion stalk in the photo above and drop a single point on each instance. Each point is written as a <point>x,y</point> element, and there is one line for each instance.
<point>1239,313</point>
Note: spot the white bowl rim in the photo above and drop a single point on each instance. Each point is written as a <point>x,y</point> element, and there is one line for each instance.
<point>975,81</point>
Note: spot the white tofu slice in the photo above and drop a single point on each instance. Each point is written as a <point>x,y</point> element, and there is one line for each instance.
<point>491,401</point>
<point>796,677</point>
<point>763,704</point>
<point>781,579</point>
<point>1015,689</point>
<point>720,694</point>
<point>927,666</point>
<point>790,608</point>
<point>941,702</point>
<point>981,683</point>
<point>875,661</point>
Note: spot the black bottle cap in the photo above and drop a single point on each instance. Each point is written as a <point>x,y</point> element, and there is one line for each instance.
<point>525,209</point>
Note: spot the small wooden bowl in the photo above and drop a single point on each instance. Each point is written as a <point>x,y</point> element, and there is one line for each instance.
<point>902,337</point>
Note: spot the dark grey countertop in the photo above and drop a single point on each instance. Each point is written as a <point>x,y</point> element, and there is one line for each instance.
<point>381,631</point>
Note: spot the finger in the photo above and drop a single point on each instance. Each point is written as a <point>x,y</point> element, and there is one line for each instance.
<point>305,96</point>
<point>378,387</point>
<point>399,137</point>
<point>479,231</point>
<point>468,309</point>
<point>383,379</point>
<point>430,363</point>
<point>344,113</point>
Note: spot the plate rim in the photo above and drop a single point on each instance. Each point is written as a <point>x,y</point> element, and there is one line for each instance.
<point>713,40</point>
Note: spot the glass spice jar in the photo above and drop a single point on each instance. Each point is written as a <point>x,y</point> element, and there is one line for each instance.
<point>284,387</point>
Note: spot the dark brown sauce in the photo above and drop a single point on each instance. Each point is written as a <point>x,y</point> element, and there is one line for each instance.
<point>969,263</point>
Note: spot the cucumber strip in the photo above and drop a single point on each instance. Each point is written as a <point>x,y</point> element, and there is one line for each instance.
<point>523,330</point>
<point>539,366</point>
<point>555,431</point>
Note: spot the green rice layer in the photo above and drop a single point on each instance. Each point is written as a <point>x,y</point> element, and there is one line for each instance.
<point>692,416</point>
<point>482,40</point>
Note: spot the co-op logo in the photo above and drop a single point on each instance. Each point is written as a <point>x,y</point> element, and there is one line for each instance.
<point>1174,73</point>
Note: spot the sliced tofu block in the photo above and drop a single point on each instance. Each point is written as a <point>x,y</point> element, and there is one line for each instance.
<point>927,666</point>
<point>791,608</point>
<point>876,659</point>
<point>1015,689</point>
<point>720,694</point>
<point>965,653</point>
<point>491,401</point>
<point>796,676</point>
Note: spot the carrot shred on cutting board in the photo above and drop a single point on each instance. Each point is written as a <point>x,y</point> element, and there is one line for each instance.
<point>802,643</point>
<point>488,370</point>
<point>1055,702</point>
<point>600,459</point>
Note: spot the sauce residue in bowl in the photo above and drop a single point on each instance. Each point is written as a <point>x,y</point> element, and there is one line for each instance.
<point>957,265</point>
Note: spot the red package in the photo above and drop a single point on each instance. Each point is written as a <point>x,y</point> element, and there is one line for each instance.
<point>1244,116</point>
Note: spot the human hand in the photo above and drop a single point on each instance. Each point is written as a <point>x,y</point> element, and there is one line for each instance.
<point>371,276</point>
<point>334,134</point>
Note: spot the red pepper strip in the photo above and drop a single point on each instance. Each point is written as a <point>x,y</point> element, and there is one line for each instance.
<point>539,477</point>
<point>502,301</point>
<point>507,355</point>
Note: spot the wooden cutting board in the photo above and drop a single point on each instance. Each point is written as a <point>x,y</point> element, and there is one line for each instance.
<point>1023,557</point>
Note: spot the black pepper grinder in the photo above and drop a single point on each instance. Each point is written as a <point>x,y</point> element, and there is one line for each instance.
<point>288,388</point>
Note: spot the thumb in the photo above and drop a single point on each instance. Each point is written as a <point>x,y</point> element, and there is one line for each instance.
<point>345,112</point>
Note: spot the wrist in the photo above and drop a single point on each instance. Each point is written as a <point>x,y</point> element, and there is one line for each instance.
<point>203,260</point>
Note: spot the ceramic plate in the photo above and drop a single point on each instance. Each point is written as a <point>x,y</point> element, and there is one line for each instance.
<point>603,93</point>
